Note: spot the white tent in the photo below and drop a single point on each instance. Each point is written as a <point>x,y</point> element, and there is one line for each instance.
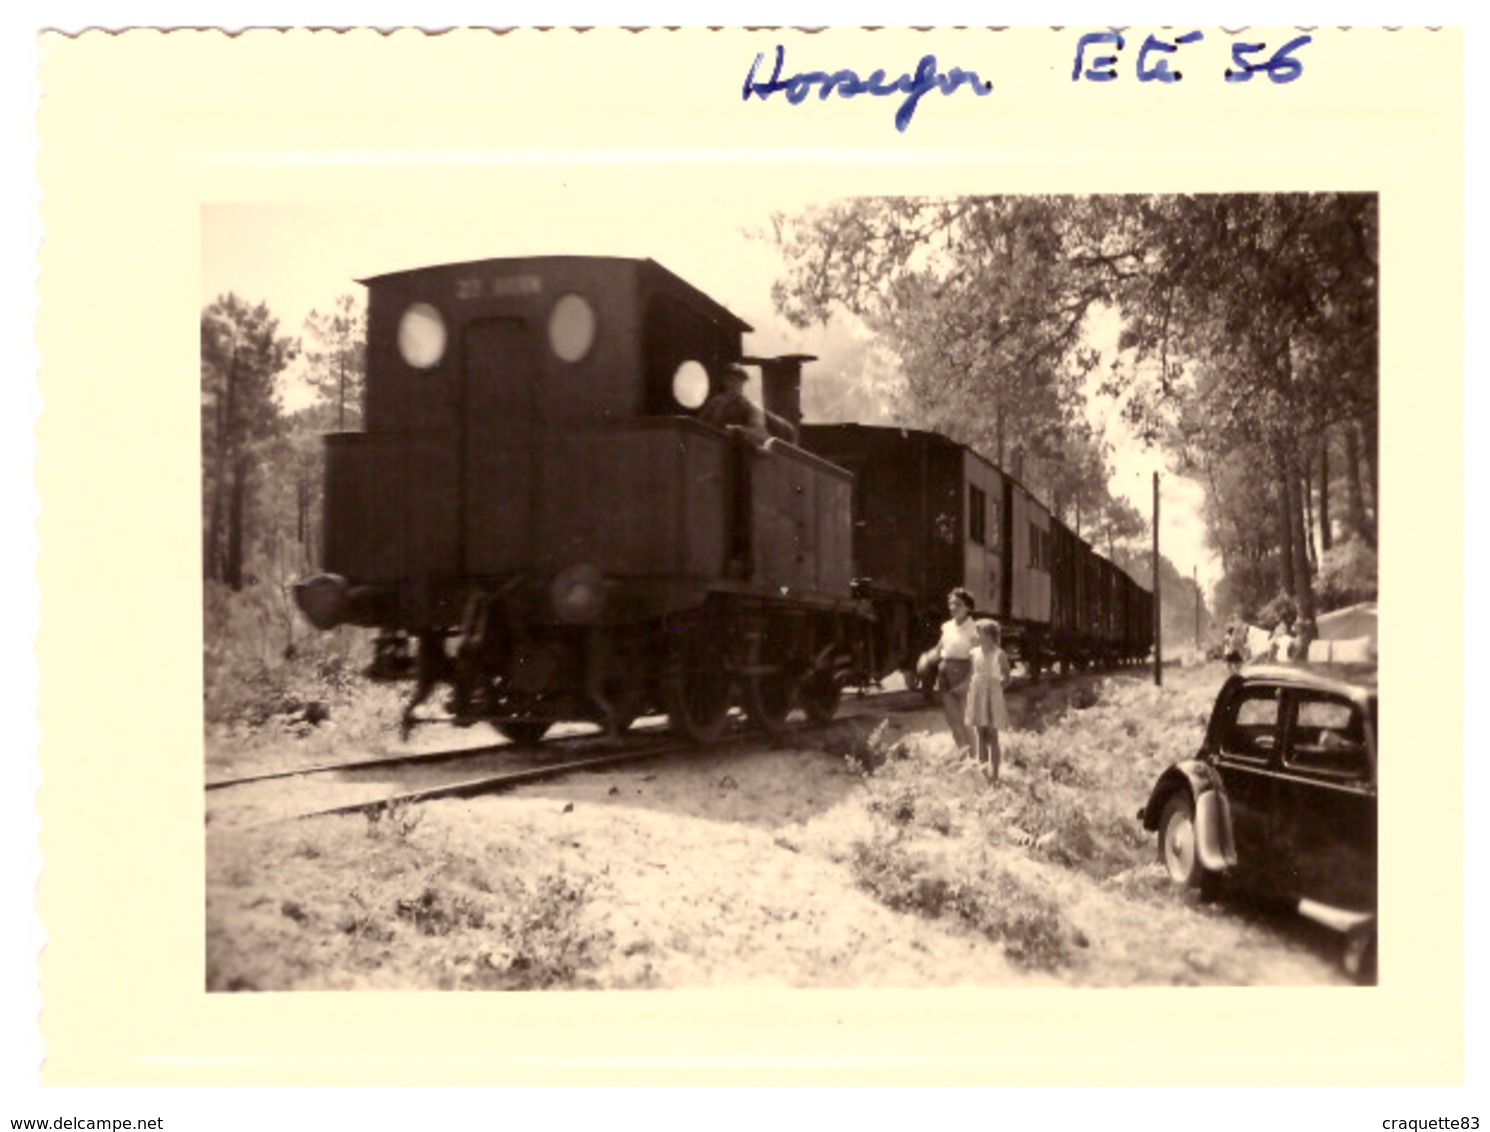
<point>1351,623</point>
<point>1346,636</point>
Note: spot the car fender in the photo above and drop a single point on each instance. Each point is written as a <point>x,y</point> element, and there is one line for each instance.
<point>1213,840</point>
<point>1213,836</point>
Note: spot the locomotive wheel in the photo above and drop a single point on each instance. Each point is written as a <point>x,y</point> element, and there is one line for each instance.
<point>819,696</point>
<point>696,691</point>
<point>522,732</point>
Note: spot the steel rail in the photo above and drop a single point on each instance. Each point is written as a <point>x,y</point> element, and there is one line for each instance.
<point>356,764</point>
<point>913,700</point>
<point>492,783</point>
<point>415,758</point>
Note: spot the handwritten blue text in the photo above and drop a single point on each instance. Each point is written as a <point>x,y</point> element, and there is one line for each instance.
<point>848,84</point>
<point>1280,66</point>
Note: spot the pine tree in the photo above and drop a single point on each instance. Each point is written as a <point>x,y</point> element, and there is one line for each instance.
<point>242,354</point>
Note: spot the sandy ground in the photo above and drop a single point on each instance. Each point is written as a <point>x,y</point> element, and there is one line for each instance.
<point>759,868</point>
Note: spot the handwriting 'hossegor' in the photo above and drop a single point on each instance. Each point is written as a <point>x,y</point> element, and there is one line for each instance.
<point>848,84</point>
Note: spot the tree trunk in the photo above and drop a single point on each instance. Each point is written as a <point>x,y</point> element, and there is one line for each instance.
<point>1368,441</point>
<point>302,522</point>
<point>1285,524</point>
<point>1306,498</point>
<point>1325,538</point>
<point>1355,502</point>
<point>1304,592</point>
<point>225,441</point>
<point>233,574</point>
<point>211,559</point>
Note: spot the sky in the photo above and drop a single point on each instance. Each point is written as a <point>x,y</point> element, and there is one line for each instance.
<point>299,257</point>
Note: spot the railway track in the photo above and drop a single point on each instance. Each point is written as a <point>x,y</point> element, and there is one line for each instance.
<point>409,758</point>
<point>536,763</point>
<point>504,780</point>
<point>592,752</point>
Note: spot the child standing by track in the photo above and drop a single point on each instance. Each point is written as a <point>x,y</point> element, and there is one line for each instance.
<point>986,713</point>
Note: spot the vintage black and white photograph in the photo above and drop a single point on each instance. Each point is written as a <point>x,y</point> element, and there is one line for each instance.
<point>820,592</point>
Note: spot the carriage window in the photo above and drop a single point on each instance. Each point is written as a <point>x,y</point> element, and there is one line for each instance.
<point>1328,737</point>
<point>977,511</point>
<point>1253,731</point>
<point>1039,549</point>
<point>571,327</point>
<point>691,384</point>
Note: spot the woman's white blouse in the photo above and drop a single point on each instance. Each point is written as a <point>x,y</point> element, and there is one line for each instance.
<point>958,640</point>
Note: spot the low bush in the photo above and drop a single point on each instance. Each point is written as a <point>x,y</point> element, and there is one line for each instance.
<point>980,894</point>
<point>898,879</point>
<point>397,820</point>
<point>865,748</point>
<point>544,939</point>
<point>438,912</point>
<point>255,674</point>
<point>1030,926</point>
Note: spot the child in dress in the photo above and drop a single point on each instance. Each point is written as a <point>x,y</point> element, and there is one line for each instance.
<point>986,713</point>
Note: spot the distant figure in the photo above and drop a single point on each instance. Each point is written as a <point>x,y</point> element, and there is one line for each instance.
<point>1233,644</point>
<point>955,650</point>
<point>730,406</point>
<point>986,713</point>
<point>1281,646</point>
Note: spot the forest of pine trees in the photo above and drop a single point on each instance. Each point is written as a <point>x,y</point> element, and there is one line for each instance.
<point>262,465</point>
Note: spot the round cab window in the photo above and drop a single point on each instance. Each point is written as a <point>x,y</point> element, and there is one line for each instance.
<point>691,384</point>
<point>421,336</point>
<point>571,327</point>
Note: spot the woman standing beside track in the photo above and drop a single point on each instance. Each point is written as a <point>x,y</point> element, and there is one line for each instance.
<point>955,650</point>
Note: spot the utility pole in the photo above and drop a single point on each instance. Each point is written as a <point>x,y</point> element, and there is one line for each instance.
<point>1195,581</point>
<point>1158,619</point>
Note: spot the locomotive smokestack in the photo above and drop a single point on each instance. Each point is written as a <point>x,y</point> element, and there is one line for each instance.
<point>781,384</point>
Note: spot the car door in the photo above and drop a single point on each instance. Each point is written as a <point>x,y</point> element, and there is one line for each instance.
<point>1248,743</point>
<point>1323,838</point>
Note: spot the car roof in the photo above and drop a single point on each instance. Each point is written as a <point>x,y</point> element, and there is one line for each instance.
<point>1356,681</point>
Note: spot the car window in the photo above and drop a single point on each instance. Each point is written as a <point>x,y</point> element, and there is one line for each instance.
<point>1328,737</point>
<point>1253,730</point>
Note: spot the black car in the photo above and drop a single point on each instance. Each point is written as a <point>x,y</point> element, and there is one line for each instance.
<point>1282,798</point>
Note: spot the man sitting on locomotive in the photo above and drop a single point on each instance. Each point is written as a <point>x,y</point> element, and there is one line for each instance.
<point>730,406</point>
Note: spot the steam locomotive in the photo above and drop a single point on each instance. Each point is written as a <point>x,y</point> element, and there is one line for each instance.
<point>535,516</point>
